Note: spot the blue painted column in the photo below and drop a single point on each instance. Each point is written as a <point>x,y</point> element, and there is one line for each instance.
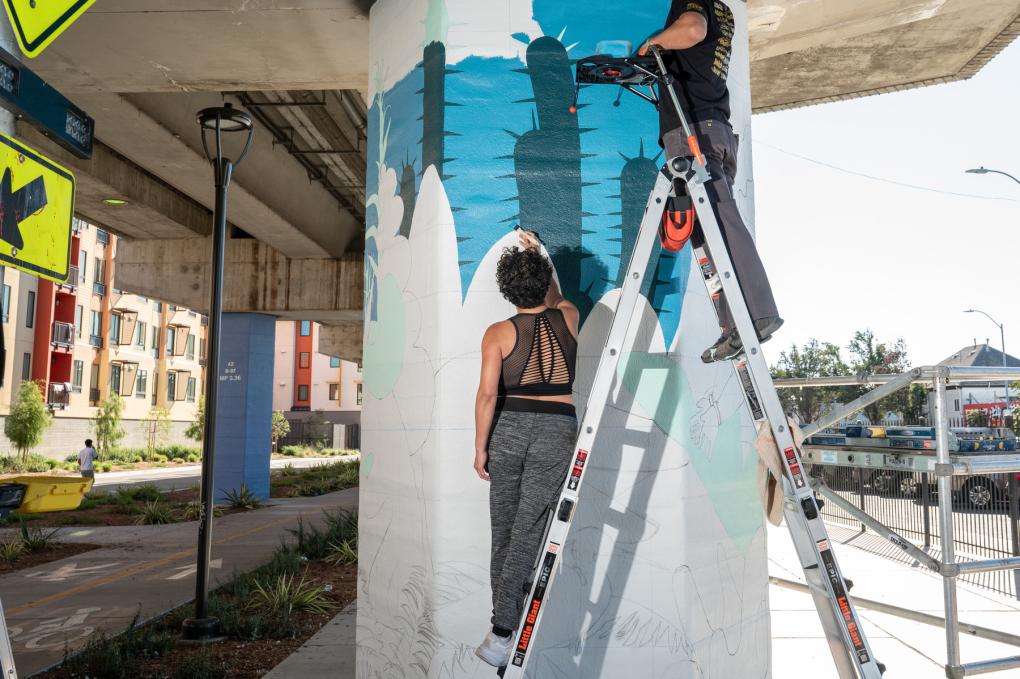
<point>245,409</point>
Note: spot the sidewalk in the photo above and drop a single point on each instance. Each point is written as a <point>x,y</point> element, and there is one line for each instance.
<point>182,477</point>
<point>144,570</point>
<point>910,650</point>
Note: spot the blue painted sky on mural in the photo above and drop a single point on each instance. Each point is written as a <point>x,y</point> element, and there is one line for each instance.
<point>483,119</point>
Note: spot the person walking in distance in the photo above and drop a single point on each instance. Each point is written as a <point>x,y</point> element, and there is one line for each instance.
<point>86,460</point>
<point>525,427</point>
<point>696,44</point>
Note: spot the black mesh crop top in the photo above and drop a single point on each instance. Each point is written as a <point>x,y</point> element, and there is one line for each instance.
<point>542,360</point>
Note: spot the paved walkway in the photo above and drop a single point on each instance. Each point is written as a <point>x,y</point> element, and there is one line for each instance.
<point>909,649</point>
<point>144,570</point>
<point>181,477</point>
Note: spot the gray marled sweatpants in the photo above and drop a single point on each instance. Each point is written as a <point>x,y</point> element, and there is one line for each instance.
<point>529,454</point>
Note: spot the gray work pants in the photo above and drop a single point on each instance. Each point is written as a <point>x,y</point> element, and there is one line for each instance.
<point>529,454</point>
<point>719,146</point>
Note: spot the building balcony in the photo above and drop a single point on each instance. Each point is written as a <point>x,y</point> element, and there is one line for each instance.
<point>58,395</point>
<point>99,288</point>
<point>71,284</point>
<point>93,397</point>
<point>102,237</point>
<point>63,335</point>
<point>96,341</point>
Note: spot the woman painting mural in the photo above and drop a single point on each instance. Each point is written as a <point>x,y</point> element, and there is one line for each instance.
<point>525,427</point>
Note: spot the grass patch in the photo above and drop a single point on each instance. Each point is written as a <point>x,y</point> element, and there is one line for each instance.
<point>318,480</point>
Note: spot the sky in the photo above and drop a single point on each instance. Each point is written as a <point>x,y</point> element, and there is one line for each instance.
<point>845,252</point>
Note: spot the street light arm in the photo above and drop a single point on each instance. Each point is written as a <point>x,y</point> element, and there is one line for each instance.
<point>988,170</point>
<point>985,314</point>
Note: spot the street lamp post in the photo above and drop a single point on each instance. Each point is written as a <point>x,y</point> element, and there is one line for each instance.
<point>1002,334</point>
<point>218,120</point>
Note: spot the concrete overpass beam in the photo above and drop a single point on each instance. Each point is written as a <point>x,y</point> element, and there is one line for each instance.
<point>259,279</point>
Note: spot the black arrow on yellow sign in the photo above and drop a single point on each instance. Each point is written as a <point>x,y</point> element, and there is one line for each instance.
<point>16,206</point>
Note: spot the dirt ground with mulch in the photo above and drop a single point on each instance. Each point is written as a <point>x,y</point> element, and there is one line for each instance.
<point>252,659</point>
<point>54,552</point>
<point>114,514</point>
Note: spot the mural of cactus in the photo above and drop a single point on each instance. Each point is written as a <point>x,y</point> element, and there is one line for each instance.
<point>409,196</point>
<point>547,163</point>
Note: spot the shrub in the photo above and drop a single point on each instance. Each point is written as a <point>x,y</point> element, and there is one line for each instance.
<point>242,498</point>
<point>30,463</point>
<point>155,514</point>
<point>282,597</point>
<point>146,492</point>
<point>193,510</point>
<point>37,539</point>
<point>12,549</point>
<point>200,665</point>
<point>104,466</point>
<point>116,658</point>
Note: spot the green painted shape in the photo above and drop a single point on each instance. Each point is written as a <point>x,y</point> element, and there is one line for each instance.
<point>367,462</point>
<point>437,22</point>
<point>659,386</point>
<point>384,340</point>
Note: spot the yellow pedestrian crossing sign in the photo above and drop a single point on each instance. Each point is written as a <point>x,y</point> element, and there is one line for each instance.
<point>36,209</point>
<point>37,22</point>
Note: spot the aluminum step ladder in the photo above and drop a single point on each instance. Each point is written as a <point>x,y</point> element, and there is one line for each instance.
<point>843,631</point>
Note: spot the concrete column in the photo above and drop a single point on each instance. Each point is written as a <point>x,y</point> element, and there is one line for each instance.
<point>471,132</point>
<point>245,408</point>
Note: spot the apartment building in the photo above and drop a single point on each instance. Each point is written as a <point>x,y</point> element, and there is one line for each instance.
<point>308,385</point>
<point>85,339</point>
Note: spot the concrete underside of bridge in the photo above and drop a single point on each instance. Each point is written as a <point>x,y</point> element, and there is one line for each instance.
<point>142,69</point>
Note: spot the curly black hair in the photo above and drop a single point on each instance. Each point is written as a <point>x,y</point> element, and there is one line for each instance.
<point>523,277</point>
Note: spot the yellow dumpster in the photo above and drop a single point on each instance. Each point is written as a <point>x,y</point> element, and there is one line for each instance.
<point>49,493</point>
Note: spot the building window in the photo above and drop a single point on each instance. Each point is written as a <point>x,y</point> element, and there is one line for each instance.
<point>79,320</point>
<point>102,236</point>
<point>141,384</point>
<point>334,362</point>
<point>157,306</point>
<point>7,303</point>
<point>77,373</point>
<point>306,328</point>
<point>334,392</point>
<point>302,391</point>
<point>155,388</point>
<point>155,341</point>
<point>171,386</point>
<point>170,341</point>
<point>115,378</point>
<point>359,393</point>
<point>189,349</point>
<point>956,407</point>
<point>192,384</point>
<point>305,360</point>
<point>99,271</point>
<point>115,320</point>
<point>26,366</point>
<point>30,310</point>
<point>83,261</point>
<point>96,332</point>
<point>140,330</point>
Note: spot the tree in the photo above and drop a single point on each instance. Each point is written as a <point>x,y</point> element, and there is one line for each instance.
<point>281,427</point>
<point>977,418</point>
<point>869,356</point>
<point>156,427</point>
<point>106,424</point>
<point>28,418</point>
<point>916,404</point>
<point>813,359</point>
<point>196,430</point>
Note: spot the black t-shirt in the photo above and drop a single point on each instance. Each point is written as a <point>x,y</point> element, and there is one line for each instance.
<point>700,71</point>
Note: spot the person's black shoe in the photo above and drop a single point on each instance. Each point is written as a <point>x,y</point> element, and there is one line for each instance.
<point>729,346</point>
<point>725,348</point>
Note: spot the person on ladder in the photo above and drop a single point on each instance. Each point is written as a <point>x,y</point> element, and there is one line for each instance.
<point>696,45</point>
<point>525,426</point>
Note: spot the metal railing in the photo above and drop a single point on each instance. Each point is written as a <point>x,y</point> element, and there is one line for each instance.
<point>62,334</point>
<point>72,278</point>
<point>96,341</point>
<point>58,395</point>
<point>99,288</point>
<point>947,474</point>
<point>102,236</point>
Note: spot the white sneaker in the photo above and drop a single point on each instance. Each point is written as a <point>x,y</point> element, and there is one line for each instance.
<point>495,650</point>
